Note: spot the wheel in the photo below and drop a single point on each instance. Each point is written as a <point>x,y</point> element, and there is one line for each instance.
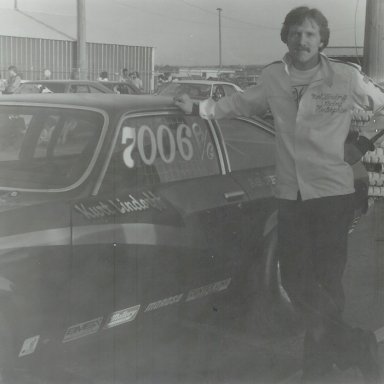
<point>278,311</point>
<point>271,271</point>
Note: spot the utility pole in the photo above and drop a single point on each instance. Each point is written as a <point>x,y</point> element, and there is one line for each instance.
<point>374,40</point>
<point>219,10</point>
<point>82,59</point>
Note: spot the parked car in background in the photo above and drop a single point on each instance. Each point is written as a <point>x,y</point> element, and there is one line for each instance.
<point>123,87</point>
<point>62,86</point>
<point>116,213</point>
<point>246,81</point>
<point>199,89</point>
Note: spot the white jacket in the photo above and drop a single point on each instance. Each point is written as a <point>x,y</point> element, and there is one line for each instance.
<point>309,138</point>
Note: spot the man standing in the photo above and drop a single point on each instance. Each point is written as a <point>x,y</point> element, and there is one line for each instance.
<point>124,76</point>
<point>14,80</point>
<point>312,99</point>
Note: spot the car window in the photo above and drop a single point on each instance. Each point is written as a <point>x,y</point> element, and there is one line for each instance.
<point>124,89</point>
<point>28,88</point>
<point>218,92</point>
<point>54,87</point>
<point>161,149</point>
<point>46,148</point>
<point>195,91</point>
<point>229,89</point>
<point>79,88</point>
<point>93,89</point>
<point>248,145</point>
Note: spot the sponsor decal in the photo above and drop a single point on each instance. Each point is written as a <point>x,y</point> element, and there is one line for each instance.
<point>121,207</point>
<point>122,316</point>
<point>29,346</point>
<point>163,303</point>
<point>270,179</point>
<point>255,181</point>
<point>329,102</point>
<point>83,329</point>
<point>208,289</point>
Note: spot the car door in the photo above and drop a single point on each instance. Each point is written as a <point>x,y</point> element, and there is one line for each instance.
<point>165,223</point>
<point>250,152</point>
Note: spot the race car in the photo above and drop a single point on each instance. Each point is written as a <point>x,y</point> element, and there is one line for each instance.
<point>117,214</point>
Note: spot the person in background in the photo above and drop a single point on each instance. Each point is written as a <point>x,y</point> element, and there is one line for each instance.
<point>311,99</point>
<point>124,76</point>
<point>47,74</point>
<point>135,78</point>
<point>103,76</point>
<point>13,81</point>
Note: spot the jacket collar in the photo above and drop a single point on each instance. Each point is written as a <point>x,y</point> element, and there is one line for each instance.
<point>325,72</point>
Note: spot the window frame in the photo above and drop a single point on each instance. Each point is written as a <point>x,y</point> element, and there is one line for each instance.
<point>257,122</point>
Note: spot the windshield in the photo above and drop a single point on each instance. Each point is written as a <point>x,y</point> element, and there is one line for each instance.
<point>194,91</point>
<point>46,148</point>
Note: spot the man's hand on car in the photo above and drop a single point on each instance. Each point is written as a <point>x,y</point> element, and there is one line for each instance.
<point>184,102</point>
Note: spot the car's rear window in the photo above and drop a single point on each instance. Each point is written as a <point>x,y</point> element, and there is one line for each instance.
<point>46,148</point>
<point>160,149</point>
<point>41,88</point>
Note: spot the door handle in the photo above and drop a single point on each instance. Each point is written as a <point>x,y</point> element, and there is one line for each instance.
<point>234,195</point>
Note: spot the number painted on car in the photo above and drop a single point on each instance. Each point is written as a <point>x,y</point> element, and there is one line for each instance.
<point>150,145</point>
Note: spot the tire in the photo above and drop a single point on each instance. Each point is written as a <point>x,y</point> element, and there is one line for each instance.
<point>276,300</point>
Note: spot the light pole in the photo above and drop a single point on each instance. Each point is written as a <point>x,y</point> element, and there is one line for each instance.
<point>373,40</point>
<point>219,10</point>
<point>82,59</point>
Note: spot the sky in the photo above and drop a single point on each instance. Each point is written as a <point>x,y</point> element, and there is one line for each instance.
<point>186,32</point>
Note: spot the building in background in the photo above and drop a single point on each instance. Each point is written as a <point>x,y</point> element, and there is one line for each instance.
<point>205,73</point>
<point>34,42</point>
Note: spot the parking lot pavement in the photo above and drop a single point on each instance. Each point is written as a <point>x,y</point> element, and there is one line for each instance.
<point>350,376</point>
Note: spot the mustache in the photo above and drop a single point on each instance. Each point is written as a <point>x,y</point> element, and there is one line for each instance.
<point>302,48</point>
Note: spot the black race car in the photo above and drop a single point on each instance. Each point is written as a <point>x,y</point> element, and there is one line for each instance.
<point>117,212</point>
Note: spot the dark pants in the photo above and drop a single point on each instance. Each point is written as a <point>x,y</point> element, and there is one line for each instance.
<point>312,255</point>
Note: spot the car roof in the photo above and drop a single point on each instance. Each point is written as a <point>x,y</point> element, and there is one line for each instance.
<point>110,102</point>
<point>61,82</point>
<point>47,83</point>
<point>204,82</point>
<point>116,82</point>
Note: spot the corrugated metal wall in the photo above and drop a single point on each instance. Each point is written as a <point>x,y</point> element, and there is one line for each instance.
<point>113,58</point>
<point>32,56</point>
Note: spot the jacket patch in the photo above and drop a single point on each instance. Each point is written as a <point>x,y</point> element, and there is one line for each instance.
<point>329,102</point>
